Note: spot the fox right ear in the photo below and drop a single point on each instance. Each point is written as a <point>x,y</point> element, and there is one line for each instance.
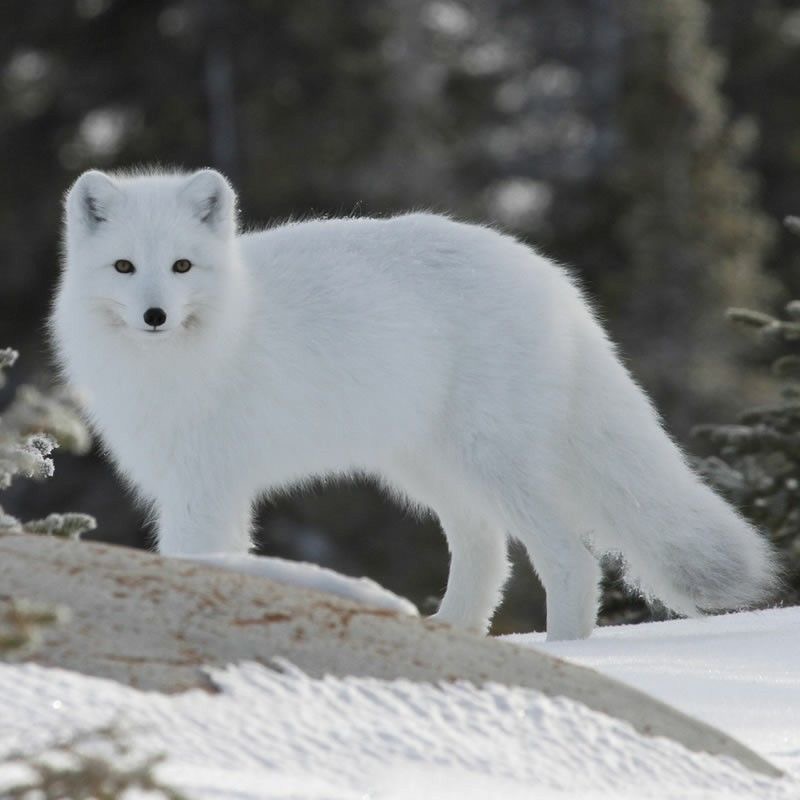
<point>91,198</point>
<point>211,198</point>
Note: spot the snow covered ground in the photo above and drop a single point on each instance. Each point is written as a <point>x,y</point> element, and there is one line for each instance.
<point>286,736</point>
<point>310,576</point>
<point>740,672</point>
<point>280,734</point>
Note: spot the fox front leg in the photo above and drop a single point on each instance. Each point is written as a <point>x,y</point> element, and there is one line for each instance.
<point>213,521</point>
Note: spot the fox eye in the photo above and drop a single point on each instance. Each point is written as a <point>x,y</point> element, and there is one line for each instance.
<point>124,266</point>
<point>182,265</point>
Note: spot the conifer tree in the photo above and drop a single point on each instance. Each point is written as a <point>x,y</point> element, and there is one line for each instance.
<point>755,463</point>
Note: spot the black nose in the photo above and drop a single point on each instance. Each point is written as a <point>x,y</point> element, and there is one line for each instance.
<point>154,317</point>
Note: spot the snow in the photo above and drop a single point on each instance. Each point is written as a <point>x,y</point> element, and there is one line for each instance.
<point>310,576</point>
<point>739,672</point>
<point>277,733</point>
<point>285,735</point>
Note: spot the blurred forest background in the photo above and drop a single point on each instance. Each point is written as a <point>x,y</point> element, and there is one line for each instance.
<point>651,145</point>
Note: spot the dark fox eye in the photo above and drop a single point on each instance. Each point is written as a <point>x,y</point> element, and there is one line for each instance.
<point>124,266</point>
<point>182,265</point>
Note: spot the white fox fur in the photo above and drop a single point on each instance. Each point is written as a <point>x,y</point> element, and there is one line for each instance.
<point>461,368</point>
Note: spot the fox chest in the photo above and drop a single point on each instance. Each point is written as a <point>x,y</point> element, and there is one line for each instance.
<point>150,431</point>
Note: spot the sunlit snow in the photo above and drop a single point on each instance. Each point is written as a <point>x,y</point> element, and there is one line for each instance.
<point>277,733</point>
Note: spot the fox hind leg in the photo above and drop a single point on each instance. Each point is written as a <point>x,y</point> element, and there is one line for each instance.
<point>478,570</point>
<point>569,572</point>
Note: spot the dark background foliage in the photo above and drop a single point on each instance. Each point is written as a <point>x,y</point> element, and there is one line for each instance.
<point>651,145</point>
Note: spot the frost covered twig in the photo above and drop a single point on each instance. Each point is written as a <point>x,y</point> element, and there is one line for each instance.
<point>69,526</point>
<point>30,429</point>
<point>55,412</point>
<point>28,456</point>
<point>21,622</point>
<point>90,765</point>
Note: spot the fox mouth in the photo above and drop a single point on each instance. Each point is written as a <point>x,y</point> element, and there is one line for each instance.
<point>154,331</point>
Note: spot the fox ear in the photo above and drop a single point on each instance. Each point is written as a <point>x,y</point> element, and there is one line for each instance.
<point>92,198</point>
<point>210,197</point>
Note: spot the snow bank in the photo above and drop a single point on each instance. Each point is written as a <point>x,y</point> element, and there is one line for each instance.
<point>738,672</point>
<point>290,736</point>
<point>154,623</point>
<point>310,576</point>
<point>379,710</point>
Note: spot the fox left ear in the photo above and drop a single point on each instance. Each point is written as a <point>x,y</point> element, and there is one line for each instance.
<point>210,198</point>
<point>92,199</point>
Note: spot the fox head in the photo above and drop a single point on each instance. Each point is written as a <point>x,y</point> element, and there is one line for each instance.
<point>150,255</point>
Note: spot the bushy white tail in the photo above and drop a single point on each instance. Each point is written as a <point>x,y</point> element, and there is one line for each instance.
<point>681,542</point>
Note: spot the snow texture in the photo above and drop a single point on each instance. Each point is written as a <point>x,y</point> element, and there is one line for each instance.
<point>284,735</point>
<point>310,576</point>
<point>738,672</point>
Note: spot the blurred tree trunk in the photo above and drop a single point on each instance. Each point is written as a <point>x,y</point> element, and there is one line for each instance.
<point>219,88</point>
<point>694,235</point>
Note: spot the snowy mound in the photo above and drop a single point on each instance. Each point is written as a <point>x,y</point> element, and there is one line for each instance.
<point>381,704</point>
<point>289,736</point>
<point>739,672</point>
<point>311,576</point>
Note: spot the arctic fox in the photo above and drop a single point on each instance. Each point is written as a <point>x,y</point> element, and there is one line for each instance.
<point>462,369</point>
